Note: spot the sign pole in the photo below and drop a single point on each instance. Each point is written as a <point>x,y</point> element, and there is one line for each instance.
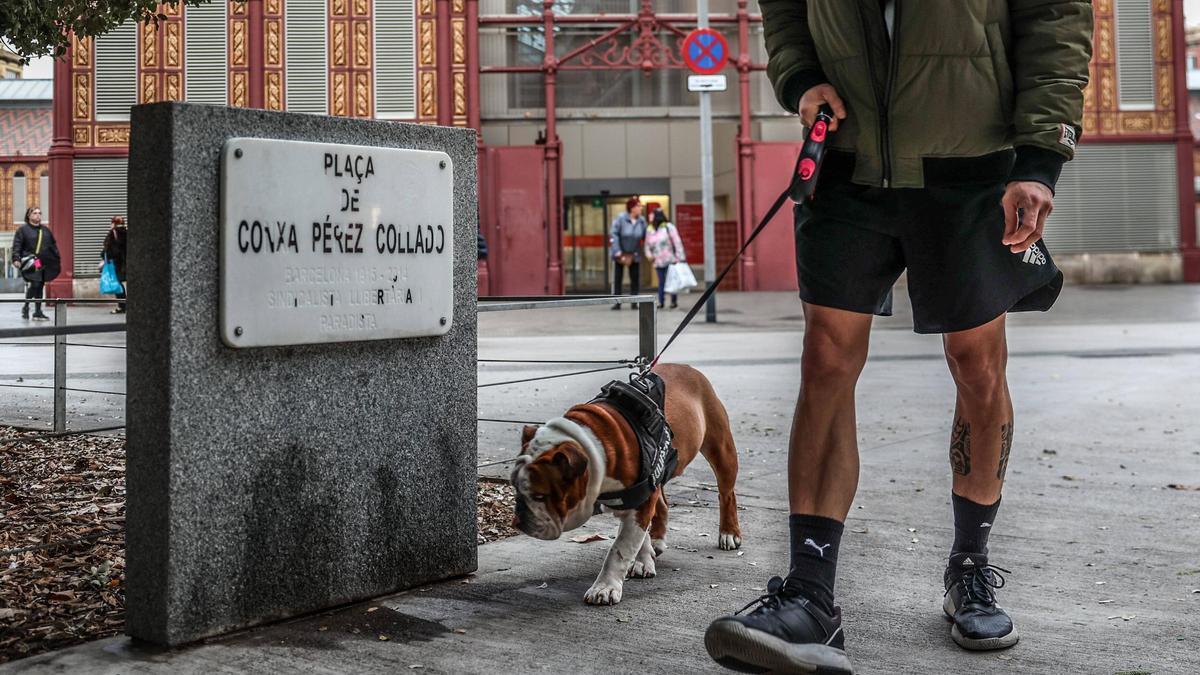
<point>706,182</point>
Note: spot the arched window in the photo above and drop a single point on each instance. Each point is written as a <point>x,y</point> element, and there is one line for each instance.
<point>44,195</point>
<point>19,196</point>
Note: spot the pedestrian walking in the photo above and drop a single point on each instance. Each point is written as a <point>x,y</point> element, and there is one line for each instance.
<point>628,230</point>
<point>35,254</point>
<point>952,123</point>
<point>663,248</point>
<point>114,251</point>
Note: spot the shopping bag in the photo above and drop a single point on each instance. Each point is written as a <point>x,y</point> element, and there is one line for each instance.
<point>679,278</point>
<point>109,284</point>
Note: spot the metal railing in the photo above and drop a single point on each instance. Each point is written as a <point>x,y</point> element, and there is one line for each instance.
<point>59,331</point>
<point>647,340</point>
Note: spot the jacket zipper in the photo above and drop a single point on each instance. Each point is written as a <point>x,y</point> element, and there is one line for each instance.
<point>893,66</point>
<point>881,102</point>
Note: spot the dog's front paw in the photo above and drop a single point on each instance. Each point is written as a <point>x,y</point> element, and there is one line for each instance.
<point>729,541</point>
<point>643,569</point>
<point>603,593</point>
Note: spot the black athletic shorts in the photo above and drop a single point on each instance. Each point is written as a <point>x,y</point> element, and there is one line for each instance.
<point>853,241</point>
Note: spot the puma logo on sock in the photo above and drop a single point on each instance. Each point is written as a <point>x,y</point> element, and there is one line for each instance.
<point>983,525</point>
<point>820,549</point>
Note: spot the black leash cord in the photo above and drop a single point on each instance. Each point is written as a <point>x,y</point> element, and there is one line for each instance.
<point>804,180</point>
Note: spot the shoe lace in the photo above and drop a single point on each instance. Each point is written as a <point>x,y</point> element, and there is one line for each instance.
<point>779,590</point>
<point>979,583</point>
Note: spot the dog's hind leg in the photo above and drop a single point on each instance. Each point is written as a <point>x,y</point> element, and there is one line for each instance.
<point>658,526</point>
<point>721,453</point>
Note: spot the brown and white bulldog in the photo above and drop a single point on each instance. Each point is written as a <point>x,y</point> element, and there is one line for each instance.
<point>566,463</point>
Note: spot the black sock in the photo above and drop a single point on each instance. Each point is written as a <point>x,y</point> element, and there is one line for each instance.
<point>815,542</point>
<point>972,525</point>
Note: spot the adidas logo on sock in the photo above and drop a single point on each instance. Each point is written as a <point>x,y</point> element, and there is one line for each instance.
<point>967,562</point>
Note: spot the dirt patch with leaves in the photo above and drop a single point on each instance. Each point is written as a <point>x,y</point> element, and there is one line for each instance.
<point>62,539</point>
<point>497,502</point>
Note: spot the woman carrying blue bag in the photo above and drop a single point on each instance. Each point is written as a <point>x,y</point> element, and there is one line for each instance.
<point>112,262</point>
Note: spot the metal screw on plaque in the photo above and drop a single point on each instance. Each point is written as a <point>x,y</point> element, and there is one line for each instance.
<point>237,153</point>
<point>442,164</point>
<point>238,331</point>
<point>443,322</point>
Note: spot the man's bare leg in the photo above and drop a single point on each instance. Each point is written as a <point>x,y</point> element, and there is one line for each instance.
<point>823,450</point>
<point>983,413</point>
<point>979,449</point>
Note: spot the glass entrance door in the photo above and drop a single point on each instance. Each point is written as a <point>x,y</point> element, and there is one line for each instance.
<point>586,245</point>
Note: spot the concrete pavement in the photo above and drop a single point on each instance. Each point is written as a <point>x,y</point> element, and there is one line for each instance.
<point>95,362</point>
<point>1104,554</point>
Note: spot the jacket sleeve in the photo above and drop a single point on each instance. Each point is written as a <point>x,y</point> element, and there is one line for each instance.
<point>614,239</point>
<point>1051,48</point>
<point>18,247</point>
<point>792,63</point>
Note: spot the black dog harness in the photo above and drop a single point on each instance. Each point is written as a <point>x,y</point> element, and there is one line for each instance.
<point>640,401</point>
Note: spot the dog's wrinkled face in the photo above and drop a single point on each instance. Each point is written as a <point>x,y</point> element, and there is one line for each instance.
<point>551,484</point>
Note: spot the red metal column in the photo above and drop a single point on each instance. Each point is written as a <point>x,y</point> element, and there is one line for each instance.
<point>554,272</point>
<point>256,59</point>
<point>749,271</point>
<point>445,83</point>
<point>1184,143</point>
<point>473,104</point>
<point>61,156</point>
<point>474,120</point>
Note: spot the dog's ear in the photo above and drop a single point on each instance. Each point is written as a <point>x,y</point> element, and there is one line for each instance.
<point>570,462</point>
<point>527,434</point>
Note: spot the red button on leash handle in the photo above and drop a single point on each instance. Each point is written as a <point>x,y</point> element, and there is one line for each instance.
<point>807,168</point>
<point>818,131</point>
<point>808,164</point>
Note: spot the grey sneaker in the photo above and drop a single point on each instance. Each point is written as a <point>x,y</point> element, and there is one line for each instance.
<point>970,602</point>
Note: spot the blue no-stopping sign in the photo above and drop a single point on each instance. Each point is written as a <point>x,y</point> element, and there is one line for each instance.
<point>705,51</point>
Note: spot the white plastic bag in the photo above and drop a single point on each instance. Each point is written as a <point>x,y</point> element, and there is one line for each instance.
<point>679,278</point>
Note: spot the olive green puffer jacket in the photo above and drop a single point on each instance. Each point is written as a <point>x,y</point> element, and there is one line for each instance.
<point>955,79</point>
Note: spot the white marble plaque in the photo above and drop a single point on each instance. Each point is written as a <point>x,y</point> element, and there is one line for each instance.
<point>322,242</point>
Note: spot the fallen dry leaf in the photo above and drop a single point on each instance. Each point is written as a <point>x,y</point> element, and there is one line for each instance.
<point>1180,486</point>
<point>587,538</point>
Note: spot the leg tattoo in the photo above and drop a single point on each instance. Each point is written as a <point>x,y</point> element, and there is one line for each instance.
<point>1006,438</point>
<point>960,447</point>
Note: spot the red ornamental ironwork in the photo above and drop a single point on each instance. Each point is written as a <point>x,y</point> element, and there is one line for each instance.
<point>646,51</point>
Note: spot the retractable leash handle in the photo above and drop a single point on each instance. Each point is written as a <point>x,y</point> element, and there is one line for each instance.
<point>804,183</point>
<point>812,154</point>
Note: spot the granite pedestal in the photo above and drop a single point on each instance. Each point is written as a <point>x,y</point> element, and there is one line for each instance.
<point>270,482</point>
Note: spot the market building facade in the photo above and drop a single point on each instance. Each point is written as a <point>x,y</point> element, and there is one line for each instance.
<point>581,104</point>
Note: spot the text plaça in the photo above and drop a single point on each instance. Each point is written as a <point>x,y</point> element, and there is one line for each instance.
<point>329,237</point>
<point>352,166</point>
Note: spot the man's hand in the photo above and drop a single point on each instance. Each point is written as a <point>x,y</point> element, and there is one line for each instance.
<point>1026,205</point>
<point>812,100</point>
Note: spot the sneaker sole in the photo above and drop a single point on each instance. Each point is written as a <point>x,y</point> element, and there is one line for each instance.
<point>977,644</point>
<point>744,649</point>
